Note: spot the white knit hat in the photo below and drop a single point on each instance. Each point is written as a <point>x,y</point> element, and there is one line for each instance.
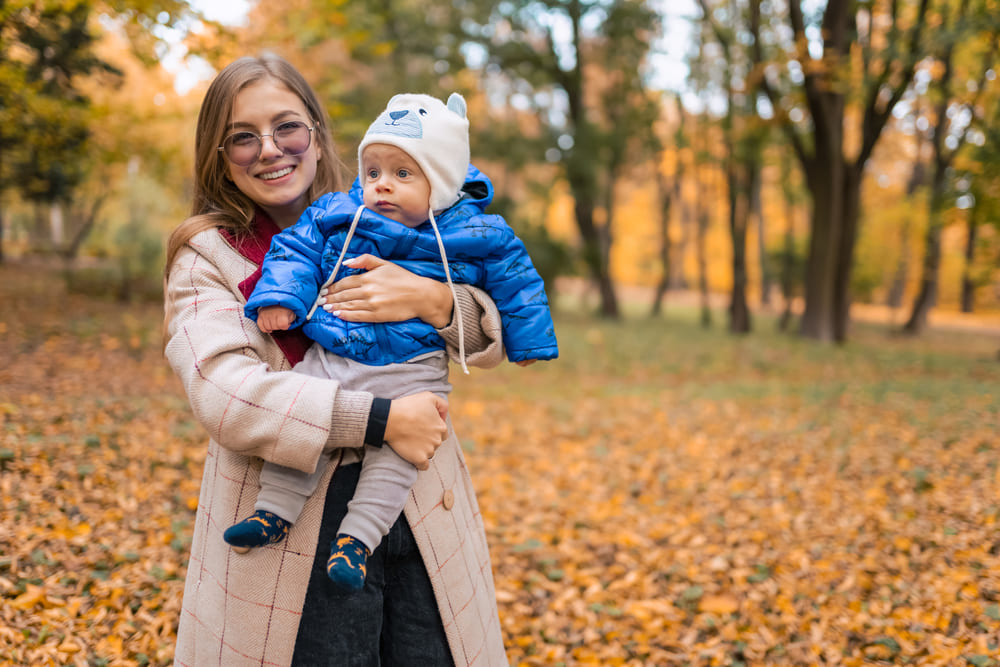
<point>435,135</point>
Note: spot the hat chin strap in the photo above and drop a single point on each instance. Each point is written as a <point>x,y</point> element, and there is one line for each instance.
<point>447,275</point>
<point>454,294</point>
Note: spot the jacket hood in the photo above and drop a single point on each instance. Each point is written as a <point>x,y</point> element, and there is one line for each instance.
<point>477,190</point>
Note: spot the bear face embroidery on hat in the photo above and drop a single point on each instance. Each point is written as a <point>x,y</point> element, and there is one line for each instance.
<point>434,134</point>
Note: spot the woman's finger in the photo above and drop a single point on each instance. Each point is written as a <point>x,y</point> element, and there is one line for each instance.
<point>353,296</point>
<point>351,312</point>
<point>366,262</point>
<point>348,283</point>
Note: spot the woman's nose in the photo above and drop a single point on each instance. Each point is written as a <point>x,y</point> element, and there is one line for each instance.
<point>269,149</point>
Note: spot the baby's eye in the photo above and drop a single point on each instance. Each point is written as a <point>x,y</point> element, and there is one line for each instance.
<point>372,174</point>
<point>403,173</point>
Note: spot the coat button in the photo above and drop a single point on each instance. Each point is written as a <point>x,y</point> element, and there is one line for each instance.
<point>448,499</point>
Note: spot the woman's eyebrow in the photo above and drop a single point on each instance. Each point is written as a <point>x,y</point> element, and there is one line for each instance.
<point>285,114</point>
<point>274,119</point>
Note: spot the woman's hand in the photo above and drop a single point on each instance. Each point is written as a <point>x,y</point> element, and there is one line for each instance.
<point>416,427</point>
<point>387,292</point>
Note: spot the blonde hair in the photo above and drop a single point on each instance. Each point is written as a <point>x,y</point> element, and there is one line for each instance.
<point>218,203</point>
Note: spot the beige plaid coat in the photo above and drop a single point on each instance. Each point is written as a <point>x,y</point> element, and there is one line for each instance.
<point>245,609</point>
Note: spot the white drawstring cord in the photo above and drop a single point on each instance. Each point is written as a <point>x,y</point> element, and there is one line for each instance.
<point>454,294</point>
<point>447,275</point>
<point>333,274</point>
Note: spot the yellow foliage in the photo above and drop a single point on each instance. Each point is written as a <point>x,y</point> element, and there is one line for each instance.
<point>629,523</point>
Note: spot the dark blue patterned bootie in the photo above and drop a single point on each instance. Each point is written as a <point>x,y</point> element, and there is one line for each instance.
<point>346,566</point>
<point>257,530</point>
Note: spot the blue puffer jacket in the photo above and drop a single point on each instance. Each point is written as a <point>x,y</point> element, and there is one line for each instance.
<point>482,251</point>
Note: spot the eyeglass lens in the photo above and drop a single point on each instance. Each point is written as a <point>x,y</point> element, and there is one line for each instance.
<point>291,138</point>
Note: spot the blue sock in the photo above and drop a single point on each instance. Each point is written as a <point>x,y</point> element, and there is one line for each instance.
<point>346,566</point>
<point>257,530</point>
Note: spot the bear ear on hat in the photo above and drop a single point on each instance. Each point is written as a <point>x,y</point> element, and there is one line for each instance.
<point>456,103</point>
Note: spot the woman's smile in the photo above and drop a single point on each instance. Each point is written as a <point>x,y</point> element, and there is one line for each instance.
<point>273,175</point>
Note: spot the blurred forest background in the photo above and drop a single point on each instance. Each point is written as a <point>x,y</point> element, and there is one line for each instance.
<point>815,155</point>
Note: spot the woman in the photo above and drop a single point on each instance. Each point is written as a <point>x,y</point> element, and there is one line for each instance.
<point>430,598</point>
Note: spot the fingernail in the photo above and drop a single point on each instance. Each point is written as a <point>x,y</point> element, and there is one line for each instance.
<point>327,307</point>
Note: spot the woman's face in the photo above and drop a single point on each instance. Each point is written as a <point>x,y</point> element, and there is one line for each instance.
<point>277,182</point>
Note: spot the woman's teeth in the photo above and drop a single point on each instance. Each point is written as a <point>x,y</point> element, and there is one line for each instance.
<point>271,175</point>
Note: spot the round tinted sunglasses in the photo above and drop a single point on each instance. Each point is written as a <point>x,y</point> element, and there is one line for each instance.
<point>243,148</point>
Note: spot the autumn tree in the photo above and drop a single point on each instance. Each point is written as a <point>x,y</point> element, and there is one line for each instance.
<point>787,262</point>
<point>743,139</point>
<point>668,191</point>
<point>556,54</point>
<point>964,50</point>
<point>47,50</point>
<point>44,129</point>
<point>915,183</point>
<point>833,77</point>
<point>706,161</point>
<point>980,168</point>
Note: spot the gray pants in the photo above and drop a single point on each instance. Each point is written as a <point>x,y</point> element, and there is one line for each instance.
<point>386,479</point>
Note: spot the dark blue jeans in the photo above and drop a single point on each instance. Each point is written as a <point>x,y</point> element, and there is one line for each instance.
<point>392,621</point>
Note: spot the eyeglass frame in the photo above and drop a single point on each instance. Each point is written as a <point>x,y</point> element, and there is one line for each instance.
<point>260,142</point>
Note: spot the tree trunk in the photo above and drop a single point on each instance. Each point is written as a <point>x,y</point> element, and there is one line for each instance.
<point>38,234</point>
<point>757,210</point>
<point>581,171</point>
<point>927,296</point>
<point>703,218</point>
<point>845,253</point>
<point>605,233</point>
<point>918,178</point>
<point>825,179</point>
<point>740,179</point>
<point>593,253</point>
<point>968,286</point>
<point>678,278</point>
<point>788,267</point>
<point>666,194</point>
<point>84,221</point>
<point>786,275</point>
<point>899,277</point>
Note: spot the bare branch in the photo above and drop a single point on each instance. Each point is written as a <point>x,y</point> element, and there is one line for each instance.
<point>875,117</point>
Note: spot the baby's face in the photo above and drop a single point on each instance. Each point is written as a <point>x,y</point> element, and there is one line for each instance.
<point>394,185</point>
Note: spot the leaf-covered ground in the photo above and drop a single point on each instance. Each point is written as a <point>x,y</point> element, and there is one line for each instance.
<point>662,495</point>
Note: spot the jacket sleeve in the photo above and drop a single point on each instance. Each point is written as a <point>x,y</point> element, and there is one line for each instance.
<point>519,293</point>
<point>247,407</point>
<point>292,269</point>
